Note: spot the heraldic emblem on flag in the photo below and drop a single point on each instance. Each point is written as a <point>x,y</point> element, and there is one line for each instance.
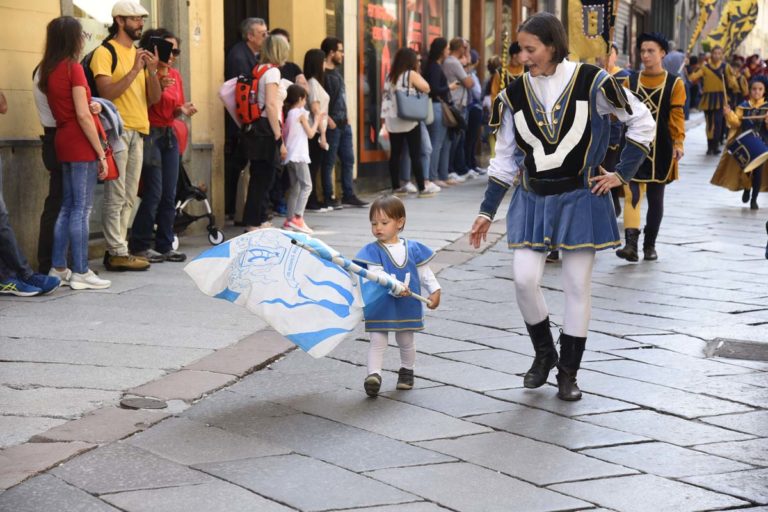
<point>300,293</point>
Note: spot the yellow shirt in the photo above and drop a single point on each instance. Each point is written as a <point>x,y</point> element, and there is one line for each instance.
<point>132,104</point>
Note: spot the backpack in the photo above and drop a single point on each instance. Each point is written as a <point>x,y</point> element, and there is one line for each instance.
<point>86,62</point>
<point>246,94</point>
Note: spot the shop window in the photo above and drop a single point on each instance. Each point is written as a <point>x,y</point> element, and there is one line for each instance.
<point>96,16</point>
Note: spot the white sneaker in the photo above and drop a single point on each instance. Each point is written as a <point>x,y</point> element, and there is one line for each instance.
<point>65,275</point>
<point>481,170</point>
<point>88,281</point>
<point>473,174</point>
<point>456,177</point>
<point>411,188</point>
<point>432,188</point>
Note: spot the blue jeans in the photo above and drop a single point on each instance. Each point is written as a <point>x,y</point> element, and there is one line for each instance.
<point>340,143</point>
<point>441,146</point>
<point>79,179</point>
<point>426,153</point>
<point>12,262</point>
<point>159,174</point>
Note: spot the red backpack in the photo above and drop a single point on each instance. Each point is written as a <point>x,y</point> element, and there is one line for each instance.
<point>246,94</point>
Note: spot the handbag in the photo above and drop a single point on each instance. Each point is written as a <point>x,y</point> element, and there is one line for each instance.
<point>452,117</point>
<point>411,107</point>
<point>112,171</point>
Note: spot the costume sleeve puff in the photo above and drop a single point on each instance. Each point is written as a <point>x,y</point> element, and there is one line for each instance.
<point>677,114</point>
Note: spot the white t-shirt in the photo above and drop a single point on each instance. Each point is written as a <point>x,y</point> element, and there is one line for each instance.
<point>296,141</point>
<point>41,102</point>
<point>393,123</point>
<point>318,94</point>
<point>272,76</point>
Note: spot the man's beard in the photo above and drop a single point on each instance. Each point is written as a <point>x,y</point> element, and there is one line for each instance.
<point>134,34</point>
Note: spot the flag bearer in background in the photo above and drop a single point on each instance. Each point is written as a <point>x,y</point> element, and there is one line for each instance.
<point>664,95</point>
<point>714,75</point>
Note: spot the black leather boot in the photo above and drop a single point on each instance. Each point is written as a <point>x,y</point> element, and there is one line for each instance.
<point>629,251</point>
<point>546,354</point>
<point>649,244</point>
<point>571,350</point>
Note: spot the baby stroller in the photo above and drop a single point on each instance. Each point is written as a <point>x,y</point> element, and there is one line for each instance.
<point>186,192</point>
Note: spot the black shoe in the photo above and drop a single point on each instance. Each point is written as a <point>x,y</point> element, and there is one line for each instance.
<point>372,384</point>
<point>745,196</point>
<point>649,245</point>
<point>354,201</point>
<point>753,204</point>
<point>314,206</point>
<point>553,257</point>
<point>571,352</point>
<point>629,251</point>
<point>334,204</point>
<point>546,354</point>
<point>405,379</point>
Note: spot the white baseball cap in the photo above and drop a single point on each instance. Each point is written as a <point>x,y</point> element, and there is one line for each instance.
<point>128,8</point>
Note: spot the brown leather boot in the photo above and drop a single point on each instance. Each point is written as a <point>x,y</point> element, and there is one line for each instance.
<point>629,251</point>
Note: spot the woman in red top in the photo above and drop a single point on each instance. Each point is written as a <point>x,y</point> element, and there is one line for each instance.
<point>78,148</point>
<point>160,170</point>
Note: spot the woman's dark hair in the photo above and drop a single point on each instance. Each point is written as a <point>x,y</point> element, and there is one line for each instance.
<point>436,49</point>
<point>292,96</point>
<point>405,59</point>
<point>157,32</point>
<point>550,32</point>
<point>389,205</point>
<point>313,65</point>
<point>63,41</point>
<point>514,48</point>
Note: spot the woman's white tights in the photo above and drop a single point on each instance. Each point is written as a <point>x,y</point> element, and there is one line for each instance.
<point>528,269</point>
<point>379,342</point>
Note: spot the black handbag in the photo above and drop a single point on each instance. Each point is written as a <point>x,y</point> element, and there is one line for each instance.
<point>452,117</point>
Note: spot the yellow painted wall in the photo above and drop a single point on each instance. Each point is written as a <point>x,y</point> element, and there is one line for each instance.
<point>304,20</point>
<point>206,40</point>
<point>22,36</point>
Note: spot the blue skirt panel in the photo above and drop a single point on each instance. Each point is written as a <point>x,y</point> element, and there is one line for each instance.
<point>571,221</point>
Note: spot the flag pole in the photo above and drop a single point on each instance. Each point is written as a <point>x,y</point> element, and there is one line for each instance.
<point>396,286</point>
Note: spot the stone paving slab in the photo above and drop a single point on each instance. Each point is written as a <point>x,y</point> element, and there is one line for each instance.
<point>120,467</point>
<point>46,493</point>
<point>494,359</point>
<point>183,385</point>
<point>102,426</point>
<point>461,331</point>
<point>754,451</point>
<point>751,485</point>
<point>22,461</point>
<point>405,507</point>
<point>653,396</point>
<point>233,409</point>
<point>664,427</point>
<point>306,484</point>
<point>755,423</point>
<point>676,343</point>
<point>248,353</point>
<point>97,353</point>
<point>204,497</point>
<point>66,403</point>
<point>451,401</point>
<point>526,459</point>
<point>666,460</point>
<point>336,443</point>
<point>381,416</point>
<point>17,429</point>
<point>189,442</point>
<point>641,493</point>
<point>676,361</point>
<point>55,375</point>
<point>545,398</point>
<point>429,344</point>
<point>489,491</point>
<point>559,431</point>
<point>467,376</point>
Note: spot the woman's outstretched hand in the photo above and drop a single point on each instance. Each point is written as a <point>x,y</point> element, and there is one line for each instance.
<point>603,183</point>
<point>479,231</point>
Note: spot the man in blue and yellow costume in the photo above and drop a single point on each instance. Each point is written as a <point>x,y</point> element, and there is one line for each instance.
<point>715,74</point>
<point>664,95</point>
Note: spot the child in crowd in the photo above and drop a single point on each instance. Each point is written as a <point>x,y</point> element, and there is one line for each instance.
<point>407,261</point>
<point>297,132</point>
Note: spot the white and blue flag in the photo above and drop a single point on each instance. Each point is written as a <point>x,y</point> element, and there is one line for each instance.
<point>305,297</point>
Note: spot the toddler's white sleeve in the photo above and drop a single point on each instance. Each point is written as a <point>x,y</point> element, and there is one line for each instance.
<point>428,280</point>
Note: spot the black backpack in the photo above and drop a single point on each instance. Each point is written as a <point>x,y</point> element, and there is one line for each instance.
<point>86,62</point>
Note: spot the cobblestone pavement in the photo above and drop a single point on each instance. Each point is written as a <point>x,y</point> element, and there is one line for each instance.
<point>664,424</point>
